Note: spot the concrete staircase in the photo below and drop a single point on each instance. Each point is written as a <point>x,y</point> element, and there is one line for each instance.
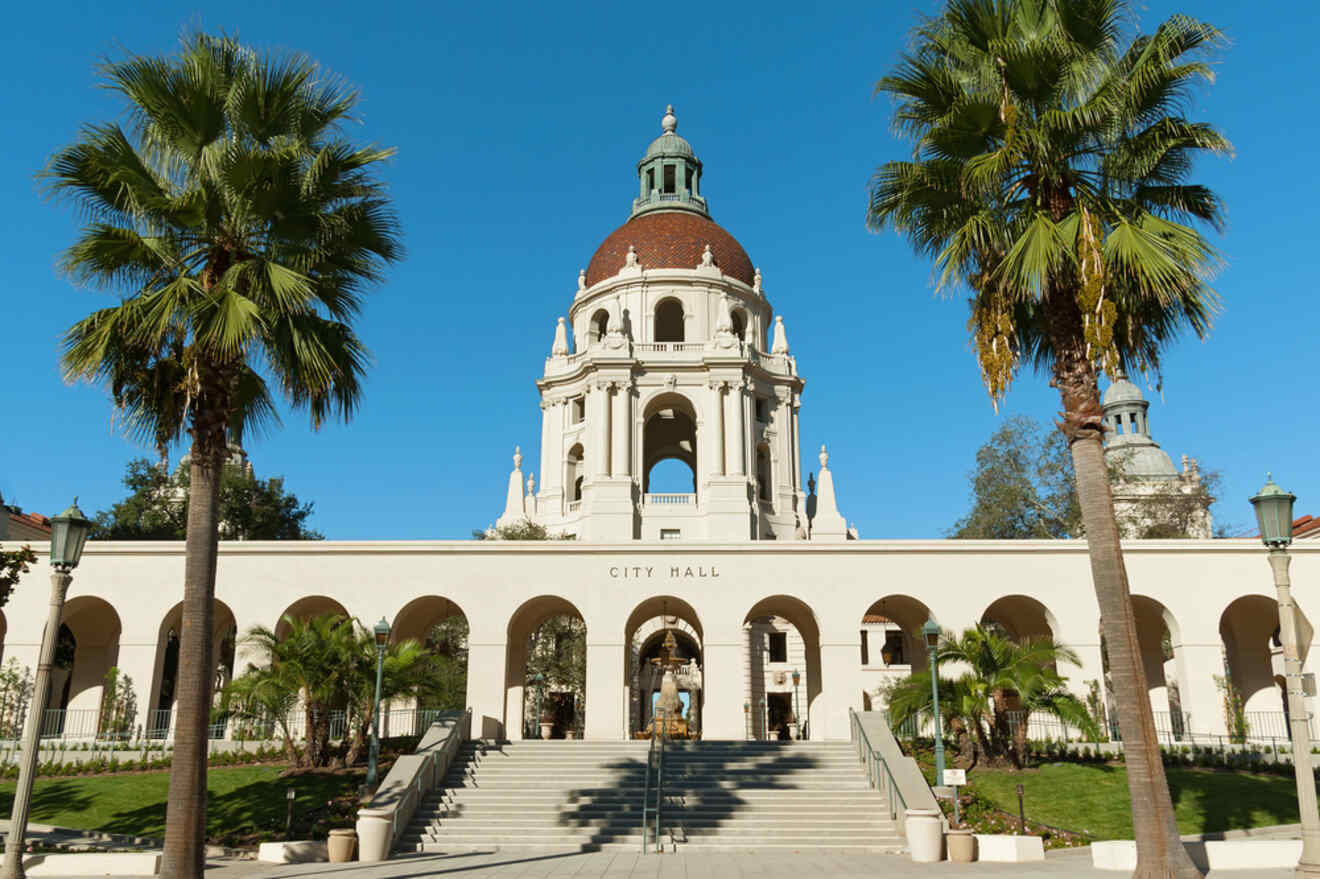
<point>719,796</point>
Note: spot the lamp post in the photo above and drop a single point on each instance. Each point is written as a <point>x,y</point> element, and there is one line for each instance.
<point>747,718</point>
<point>932,632</point>
<point>68,534</point>
<point>797,706</point>
<point>540,684</point>
<point>382,632</point>
<point>1274,514</point>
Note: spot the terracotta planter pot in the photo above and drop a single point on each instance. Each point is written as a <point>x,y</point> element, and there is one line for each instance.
<point>961,845</point>
<point>341,845</point>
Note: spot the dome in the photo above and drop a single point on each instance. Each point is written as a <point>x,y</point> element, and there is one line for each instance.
<point>670,240</point>
<point>1122,391</point>
<point>1145,461</point>
<point>669,144</point>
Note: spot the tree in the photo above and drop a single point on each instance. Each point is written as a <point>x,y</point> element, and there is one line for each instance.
<point>1006,682</point>
<point>242,228</point>
<point>157,507</point>
<point>1022,487</point>
<point>323,664</point>
<point>444,688</point>
<point>1049,178</point>
<point>558,653</point>
<point>14,563</point>
<point>524,530</point>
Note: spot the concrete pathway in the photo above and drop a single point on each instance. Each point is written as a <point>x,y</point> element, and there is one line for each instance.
<point>612,865</point>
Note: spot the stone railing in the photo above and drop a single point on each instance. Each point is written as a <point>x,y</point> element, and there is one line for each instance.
<point>669,500</point>
<point>385,817</point>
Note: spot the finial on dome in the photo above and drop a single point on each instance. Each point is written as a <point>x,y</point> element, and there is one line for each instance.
<point>517,457</point>
<point>582,279</point>
<point>670,122</point>
<point>756,282</point>
<point>707,257</point>
<point>824,457</point>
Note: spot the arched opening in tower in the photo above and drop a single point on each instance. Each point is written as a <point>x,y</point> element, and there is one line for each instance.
<point>763,472</point>
<point>669,321</point>
<point>739,320</point>
<point>600,322</point>
<point>573,472</point>
<point>670,447</point>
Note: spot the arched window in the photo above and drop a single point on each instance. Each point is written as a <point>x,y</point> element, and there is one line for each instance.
<point>669,446</point>
<point>740,323</point>
<point>669,321</point>
<point>574,474</point>
<point>600,322</point>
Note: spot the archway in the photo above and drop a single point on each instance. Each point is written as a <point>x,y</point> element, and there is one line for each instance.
<point>738,318</point>
<point>547,636</point>
<point>669,321</point>
<point>600,322</point>
<point>441,627</point>
<point>783,637</point>
<point>644,634</point>
<point>763,486</point>
<point>1161,656</point>
<point>573,472</point>
<point>94,628</point>
<point>224,637</point>
<point>306,609</point>
<point>1249,628</point>
<point>670,434</point>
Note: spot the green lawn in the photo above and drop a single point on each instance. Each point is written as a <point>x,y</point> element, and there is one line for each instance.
<point>1094,799</point>
<point>246,802</point>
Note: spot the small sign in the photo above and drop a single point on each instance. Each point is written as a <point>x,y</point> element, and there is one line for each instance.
<point>955,776</point>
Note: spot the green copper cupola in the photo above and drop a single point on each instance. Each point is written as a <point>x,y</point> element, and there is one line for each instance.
<point>669,173</point>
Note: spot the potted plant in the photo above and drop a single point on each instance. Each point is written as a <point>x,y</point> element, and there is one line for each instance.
<point>547,725</point>
<point>793,728</point>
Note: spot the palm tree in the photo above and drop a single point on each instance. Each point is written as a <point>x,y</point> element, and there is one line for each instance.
<point>1006,680</point>
<point>242,228</point>
<point>1049,177</point>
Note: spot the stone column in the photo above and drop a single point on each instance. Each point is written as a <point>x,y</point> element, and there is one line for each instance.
<point>735,443</point>
<point>600,417</point>
<point>622,433</point>
<point>605,720</point>
<point>549,461</point>
<point>716,421</point>
<point>486,691</point>
<point>722,710</point>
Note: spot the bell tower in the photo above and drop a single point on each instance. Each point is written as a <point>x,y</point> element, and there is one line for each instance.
<point>671,352</point>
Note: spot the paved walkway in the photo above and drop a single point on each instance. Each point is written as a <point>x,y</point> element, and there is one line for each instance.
<point>611,865</point>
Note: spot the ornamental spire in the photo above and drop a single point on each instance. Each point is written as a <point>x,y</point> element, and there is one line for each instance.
<point>669,173</point>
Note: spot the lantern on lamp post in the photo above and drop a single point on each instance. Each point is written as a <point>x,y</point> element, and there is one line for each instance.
<point>68,536</point>
<point>1274,514</point>
<point>931,631</point>
<point>382,633</point>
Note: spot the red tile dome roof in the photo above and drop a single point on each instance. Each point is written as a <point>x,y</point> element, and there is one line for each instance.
<point>670,240</point>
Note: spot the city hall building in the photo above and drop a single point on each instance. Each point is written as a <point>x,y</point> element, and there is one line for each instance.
<point>671,354</point>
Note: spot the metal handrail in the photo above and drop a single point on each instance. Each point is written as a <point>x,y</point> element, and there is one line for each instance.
<point>646,786</point>
<point>660,779</point>
<point>875,762</point>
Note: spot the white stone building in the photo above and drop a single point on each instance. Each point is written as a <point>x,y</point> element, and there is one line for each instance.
<point>671,352</point>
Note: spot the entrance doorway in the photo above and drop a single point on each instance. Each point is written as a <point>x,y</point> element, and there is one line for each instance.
<point>780,708</point>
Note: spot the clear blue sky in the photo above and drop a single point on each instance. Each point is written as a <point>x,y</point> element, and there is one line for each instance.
<point>518,128</point>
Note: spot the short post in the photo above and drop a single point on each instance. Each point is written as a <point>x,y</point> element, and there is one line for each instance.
<point>747,719</point>
<point>288,814</point>
<point>797,706</point>
<point>1022,814</point>
<point>540,683</point>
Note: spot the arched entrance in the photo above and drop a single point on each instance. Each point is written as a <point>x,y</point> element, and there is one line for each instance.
<point>1253,663</point>
<point>644,633</point>
<point>546,664</point>
<point>783,641</point>
<point>1020,617</point>
<point>440,626</point>
<point>89,637</point>
<point>224,638</point>
<point>892,644</point>
<point>1161,656</point>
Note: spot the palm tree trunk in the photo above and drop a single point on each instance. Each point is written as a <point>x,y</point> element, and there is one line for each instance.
<point>1020,738</point>
<point>184,855</point>
<point>1160,852</point>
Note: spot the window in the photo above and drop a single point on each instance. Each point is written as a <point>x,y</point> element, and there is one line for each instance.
<point>763,410</point>
<point>1118,424</point>
<point>578,410</point>
<point>670,533</point>
<point>600,321</point>
<point>669,179</point>
<point>866,649</point>
<point>687,180</point>
<point>778,643</point>
<point>893,653</point>
<point>739,320</point>
<point>669,321</point>
<point>650,181</point>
